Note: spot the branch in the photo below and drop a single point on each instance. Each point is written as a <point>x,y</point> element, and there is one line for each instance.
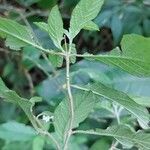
<point>45,133</point>
<point>29,78</point>
<point>70,97</point>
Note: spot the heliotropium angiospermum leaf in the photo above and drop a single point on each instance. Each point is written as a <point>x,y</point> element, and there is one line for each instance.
<point>42,25</point>
<point>57,61</point>
<point>91,26</point>
<point>14,131</point>
<point>84,12</point>
<point>55,26</point>
<point>134,58</point>
<point>84,102</point>
<point>140,112</point>
<point>125,134</point>
<point>13,97</point>
<point>17,36</point>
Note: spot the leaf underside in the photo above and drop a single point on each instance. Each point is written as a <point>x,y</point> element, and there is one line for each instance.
<point>17,36</point>
<point>122,99</point>
<point>134,57</point>
<point>124,133</point>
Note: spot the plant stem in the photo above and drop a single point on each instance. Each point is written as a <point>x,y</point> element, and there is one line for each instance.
<point>45,133</point>
<point>70,97</point>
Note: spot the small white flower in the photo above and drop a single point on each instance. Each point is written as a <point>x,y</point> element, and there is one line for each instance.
<point>47,118</point>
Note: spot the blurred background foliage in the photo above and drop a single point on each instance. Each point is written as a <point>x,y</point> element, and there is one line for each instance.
<point>29,74</point>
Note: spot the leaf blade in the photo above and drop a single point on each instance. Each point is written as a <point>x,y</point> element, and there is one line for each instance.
<point>82,14</point>
<point>81,100</point>
<point>17,36</point>
<point>123,132</point>
<point>134,57</point>
<point>21,132</point>
<point>121,98</point>
<point>55,26</point>
<point>91,26</point>
<point>12,97</point>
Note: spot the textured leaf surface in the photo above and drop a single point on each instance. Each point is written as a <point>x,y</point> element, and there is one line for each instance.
<point>91,26</point>
<point>122,99</point>
<point>139,139</point>
<point>56,60</point>
<point>17,36</point>
<point>83,13</point>
<point>13,131</point>
<point>134,57</point>
<point>55,26</point>
<point>83,104</point>
<point>42,25</point>
<point>12,97</point>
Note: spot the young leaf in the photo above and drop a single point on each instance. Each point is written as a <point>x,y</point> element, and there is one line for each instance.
<point>55,26</point>
<point>122,99</point>
<point>84,102</point>
<point>12,97</point>
<point>123,133</point>
<point>17,36</point>
<point>91,26</point>
<point>14,131</point>
<point>134,57</point>
<point>83,13</point>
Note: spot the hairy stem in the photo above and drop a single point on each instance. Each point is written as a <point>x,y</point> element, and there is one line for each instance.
<point>70,97</point>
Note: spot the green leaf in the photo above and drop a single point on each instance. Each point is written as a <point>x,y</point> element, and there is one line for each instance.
<point>144,101</point>
<point>139,139</point>
<point>56,60</point>
<point>47,4</point>
<point>27,3</point>
<point>116,27</point>
<point>35,99</point>
<point>31,57</point>
<point>103,144</point>
<point>12,97</point>
<point>14,131</point>
<point>42,25</point>
<point>146,25</point>
<point>122,99</point>
<point>17,36</point>
<point>38,143</point>
<point>91,26</point>
<point>84,102</point>
<point>134,57</point>
<point>83,13</point>
<point>55,26</point>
